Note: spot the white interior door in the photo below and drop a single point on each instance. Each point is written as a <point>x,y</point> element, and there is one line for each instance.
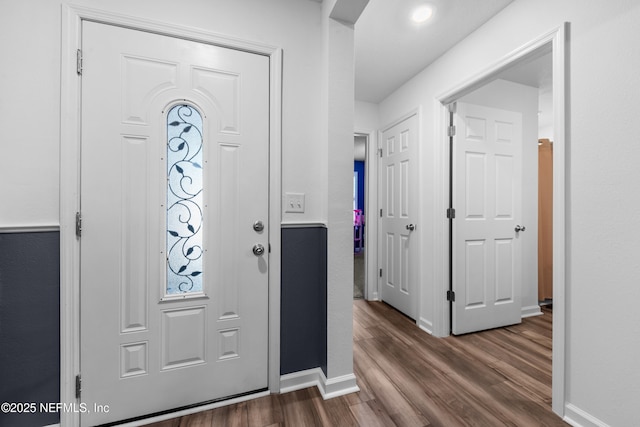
<point>398,203</point>
<point>174,168</point>
<point>487,187</point>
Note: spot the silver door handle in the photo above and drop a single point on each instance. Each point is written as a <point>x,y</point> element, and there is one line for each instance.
<point>519,229</point>
<point>258,226</point>
<point>411,227</point>
<point>258,249</point>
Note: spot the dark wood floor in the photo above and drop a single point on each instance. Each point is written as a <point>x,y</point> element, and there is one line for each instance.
<point>409,378</point>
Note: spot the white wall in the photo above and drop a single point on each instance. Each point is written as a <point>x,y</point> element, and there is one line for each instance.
<point>603,202</point>
<point>30,87</point>
<point>366,117</point>
<point>511,96</point>
<point>29,113</point>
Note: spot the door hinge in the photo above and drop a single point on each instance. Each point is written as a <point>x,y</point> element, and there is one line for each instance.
<point>451,213</point>
<point>380,213</point>
<point>78,386</point>
<point>78,224</point>
<point>380,152</point>
<point>451,131</point>
<point>79,62</point>
<point>451,296</point>
<point>380,272</point>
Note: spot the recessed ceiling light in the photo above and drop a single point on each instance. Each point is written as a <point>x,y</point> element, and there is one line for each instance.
<point>421,14</point>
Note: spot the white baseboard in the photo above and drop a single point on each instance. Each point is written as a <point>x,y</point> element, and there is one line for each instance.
<point>579,418</point>
<point>300,380</point>
<point>338,386</point>
<point>329,388</point>
<point>532,310</point>
<point>426,325</point>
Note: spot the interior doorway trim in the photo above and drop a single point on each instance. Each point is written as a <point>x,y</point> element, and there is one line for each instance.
<point>554,41</point>
<point>371,220</point>
<point>72,17</point>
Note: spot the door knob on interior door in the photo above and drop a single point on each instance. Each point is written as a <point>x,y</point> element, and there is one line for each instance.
<point>519,229</point>
<point>411,227</point>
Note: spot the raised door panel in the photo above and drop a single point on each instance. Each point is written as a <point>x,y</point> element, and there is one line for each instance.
<point>142,80</point>
<point>475,273</point>
<point>134,205</point>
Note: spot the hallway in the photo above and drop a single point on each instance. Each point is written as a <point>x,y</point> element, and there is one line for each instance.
<point>409,378</point>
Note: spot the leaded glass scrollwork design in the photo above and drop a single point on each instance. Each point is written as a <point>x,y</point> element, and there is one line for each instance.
<point>184,200</point>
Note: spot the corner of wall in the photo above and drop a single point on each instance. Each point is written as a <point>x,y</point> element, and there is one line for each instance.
<point>329,388</point>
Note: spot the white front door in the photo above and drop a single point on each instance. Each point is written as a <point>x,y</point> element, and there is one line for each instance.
<point>174,167</point>
<point>398,243</point>
<point>487,186</point>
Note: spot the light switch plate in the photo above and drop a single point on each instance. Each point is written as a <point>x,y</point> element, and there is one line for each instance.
<point>294,202</point>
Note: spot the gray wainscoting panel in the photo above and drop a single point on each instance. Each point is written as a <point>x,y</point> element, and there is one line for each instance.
<point>30,324</point>
<point>303,340</point>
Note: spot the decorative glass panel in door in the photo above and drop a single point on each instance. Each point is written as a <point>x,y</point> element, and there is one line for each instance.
<point>184,200</point>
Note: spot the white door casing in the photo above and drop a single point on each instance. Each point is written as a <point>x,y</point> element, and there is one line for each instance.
<point>487,187</point>
<point>135,340</point>
<point>398,241</point>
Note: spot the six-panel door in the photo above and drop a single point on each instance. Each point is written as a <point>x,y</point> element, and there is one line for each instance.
<point>487,197</point>
<point>398,242</point>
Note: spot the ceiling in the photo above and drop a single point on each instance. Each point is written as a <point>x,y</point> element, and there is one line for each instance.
<point>390,49</point>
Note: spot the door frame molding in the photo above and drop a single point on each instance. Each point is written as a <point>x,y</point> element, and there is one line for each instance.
<point>70,110</point>
<point>556,42</point>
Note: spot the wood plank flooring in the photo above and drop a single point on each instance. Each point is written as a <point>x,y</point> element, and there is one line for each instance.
<point>500,377</point>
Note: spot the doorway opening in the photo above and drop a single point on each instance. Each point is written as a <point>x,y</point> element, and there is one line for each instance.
<point>538,74</point>
<point>552,44</point>
<point>359,214</point>
<point>366,151</point>
<point>501,178</point>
